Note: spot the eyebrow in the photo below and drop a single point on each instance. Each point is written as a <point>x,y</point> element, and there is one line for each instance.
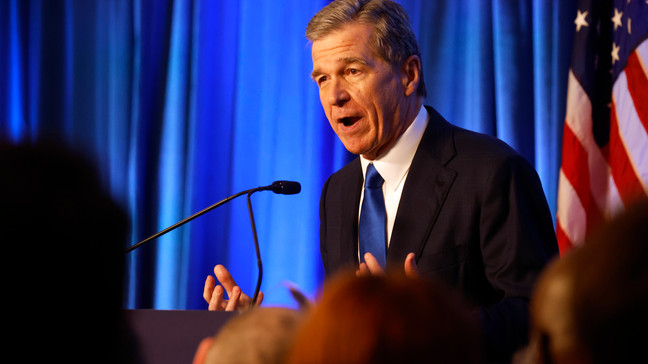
<point>346,61</point>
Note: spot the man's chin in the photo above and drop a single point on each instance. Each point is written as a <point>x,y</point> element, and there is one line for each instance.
<point>365,152</point>
<point>353,149</point>
<point>357,146</point>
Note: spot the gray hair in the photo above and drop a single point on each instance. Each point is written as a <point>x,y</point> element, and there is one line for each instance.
<point>393,38</point>
<point>262,335</point>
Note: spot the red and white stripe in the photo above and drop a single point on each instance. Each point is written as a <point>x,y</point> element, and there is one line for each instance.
<point>596,183</point>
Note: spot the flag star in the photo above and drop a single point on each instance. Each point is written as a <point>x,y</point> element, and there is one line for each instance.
<point>615,52</point>
<point>580,20</point>
<point>616,19</point>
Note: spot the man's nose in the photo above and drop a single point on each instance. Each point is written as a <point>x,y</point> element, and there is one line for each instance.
<point>337,94</point>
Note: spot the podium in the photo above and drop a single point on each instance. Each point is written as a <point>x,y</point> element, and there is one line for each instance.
<point>172,336</point>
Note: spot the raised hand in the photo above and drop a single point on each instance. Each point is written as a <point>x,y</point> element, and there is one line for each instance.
<point>214,293</point>
<point>371,266</point>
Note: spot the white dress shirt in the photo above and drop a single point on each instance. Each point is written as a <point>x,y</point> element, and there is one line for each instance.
<point>394,166</point>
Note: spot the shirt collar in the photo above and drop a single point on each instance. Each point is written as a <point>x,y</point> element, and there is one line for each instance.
<point>394,164</point>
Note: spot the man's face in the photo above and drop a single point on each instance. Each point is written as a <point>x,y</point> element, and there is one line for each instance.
<point>362,95</point>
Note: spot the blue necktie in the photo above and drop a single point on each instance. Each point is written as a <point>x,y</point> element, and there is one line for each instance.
<point>372,227</point>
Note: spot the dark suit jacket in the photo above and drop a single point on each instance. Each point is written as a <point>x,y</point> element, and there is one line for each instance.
<point>474,213</point>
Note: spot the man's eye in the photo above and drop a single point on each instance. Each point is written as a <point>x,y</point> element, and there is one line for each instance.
<point>321,79</point>
<point>353,71</point>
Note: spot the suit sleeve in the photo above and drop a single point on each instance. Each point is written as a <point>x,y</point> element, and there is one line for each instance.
<point>517,239</point>
<point>322,215</point>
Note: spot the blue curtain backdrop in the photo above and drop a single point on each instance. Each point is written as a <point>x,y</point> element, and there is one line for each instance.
<point>183,103</point>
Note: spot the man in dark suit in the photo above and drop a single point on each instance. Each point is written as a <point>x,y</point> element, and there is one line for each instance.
<point>454,204</point>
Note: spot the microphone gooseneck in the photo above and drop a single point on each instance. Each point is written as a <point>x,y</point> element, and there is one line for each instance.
<point>279,187</point>
<point>186,220</point>
<point>257,250</point>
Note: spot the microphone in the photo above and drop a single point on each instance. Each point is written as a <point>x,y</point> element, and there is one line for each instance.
<point>279,187</point>
<point>283,187</point>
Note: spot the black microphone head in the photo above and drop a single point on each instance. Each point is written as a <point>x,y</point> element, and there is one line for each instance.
<point>286,187</point>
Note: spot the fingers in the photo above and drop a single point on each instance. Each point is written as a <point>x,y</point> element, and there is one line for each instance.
<point>369,266</point>
<point>216,301</point>
<point>363,270</point>
<point>372,264</point>
<point>214,294</point>
<point>237,300</point>
<point>225,278</point>
<point>233,302</point>
<point>209,288</point>
<point>411,270</point>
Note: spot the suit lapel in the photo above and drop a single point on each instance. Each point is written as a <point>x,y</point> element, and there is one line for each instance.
<point>426,187</point>
<point>349,207</point>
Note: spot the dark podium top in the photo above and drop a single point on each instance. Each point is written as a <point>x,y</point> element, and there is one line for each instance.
<point>172,336</point>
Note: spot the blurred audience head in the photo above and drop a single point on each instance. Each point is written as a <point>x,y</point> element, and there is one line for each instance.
<point>590,306</point>
<point>262,335</point>
<point>387,319</point>
<point>64,242</point>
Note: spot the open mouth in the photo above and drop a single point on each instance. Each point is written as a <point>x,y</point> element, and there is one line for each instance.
<point>348,121</point>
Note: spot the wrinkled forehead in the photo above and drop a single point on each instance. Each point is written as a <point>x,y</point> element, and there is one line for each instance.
<point>355,33</point>
<point>349,44</point>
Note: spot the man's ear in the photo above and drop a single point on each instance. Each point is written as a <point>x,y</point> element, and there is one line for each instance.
<point>411,74</point>
<point>203,348</point>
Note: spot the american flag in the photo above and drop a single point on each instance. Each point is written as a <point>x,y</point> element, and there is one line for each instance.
<point>605,138</point>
